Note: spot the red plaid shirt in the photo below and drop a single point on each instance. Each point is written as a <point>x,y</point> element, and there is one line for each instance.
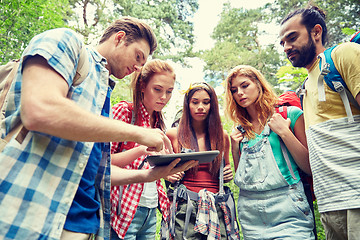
<point>131,193</point>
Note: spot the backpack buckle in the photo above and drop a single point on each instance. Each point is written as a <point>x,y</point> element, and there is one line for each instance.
<point>300,92</point>
<point>325,69</point>
<point>339,87</point>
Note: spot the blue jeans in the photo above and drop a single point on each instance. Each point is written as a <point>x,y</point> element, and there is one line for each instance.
<point>142,227</point>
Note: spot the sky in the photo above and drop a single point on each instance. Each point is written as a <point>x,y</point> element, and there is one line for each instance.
<point>205,20</point>
<point>208,15</point>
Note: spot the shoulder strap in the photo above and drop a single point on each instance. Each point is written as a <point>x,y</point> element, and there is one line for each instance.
<point>282,110</point>
<point>81,72</point>
<point>82,67</point>
<point>333,79</point>
<point>301,92</point>
<point>221,176</point>
<point>356,37</point>
<point>10,70</point>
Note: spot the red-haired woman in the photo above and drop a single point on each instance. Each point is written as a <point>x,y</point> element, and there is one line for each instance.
<point>133,214</point>
<point>272,203</point>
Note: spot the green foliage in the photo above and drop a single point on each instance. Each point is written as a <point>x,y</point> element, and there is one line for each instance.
<point>349,31</point>
<point>340,14</point>
<point>293,77</point>
<point>237,42</point>
<point>170,21</point>
<point>20,20</point>
<point>122,91</point>
<point>319,227</point>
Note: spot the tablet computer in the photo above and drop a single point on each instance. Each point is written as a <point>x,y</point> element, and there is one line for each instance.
<point>202,157</point>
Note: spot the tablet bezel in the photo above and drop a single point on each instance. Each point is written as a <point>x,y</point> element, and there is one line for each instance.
<point>166,159</point>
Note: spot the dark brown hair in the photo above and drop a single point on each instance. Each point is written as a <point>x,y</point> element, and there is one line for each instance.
<point>311,16</point>
<point>134,29</point>
<point>215,135</point>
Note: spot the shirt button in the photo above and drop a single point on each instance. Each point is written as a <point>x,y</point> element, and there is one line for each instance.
<point>81,165</point>
<point>301,199</point>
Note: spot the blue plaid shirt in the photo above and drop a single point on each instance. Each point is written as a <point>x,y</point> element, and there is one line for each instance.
<point>40,175</point>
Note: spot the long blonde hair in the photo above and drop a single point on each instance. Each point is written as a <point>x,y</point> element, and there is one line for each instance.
<point>264,104</point>
<point>141,79</point>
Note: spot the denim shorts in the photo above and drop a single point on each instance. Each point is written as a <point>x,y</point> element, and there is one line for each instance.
<point>142,227</point>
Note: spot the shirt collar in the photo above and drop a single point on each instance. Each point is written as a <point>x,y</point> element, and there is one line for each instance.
<point>145,115</point>
<point>98,57</point>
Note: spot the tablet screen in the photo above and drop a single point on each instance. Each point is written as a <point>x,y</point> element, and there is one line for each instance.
<point>202,157</point>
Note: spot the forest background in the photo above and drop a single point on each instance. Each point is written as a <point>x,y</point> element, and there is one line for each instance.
<point>238,37</point>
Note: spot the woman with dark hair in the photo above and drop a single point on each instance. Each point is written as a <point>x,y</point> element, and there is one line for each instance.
<point>272,202</point>
<point>200,129</point>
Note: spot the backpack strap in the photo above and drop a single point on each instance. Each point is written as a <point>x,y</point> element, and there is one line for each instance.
<point>324,70</point>
<point>283,111</point>
<point>8,71</point>
<point>224,196</point>
<point>221,176</point>
<point>19,130</point>
<point>13,65</point>
<point>301,92</point>
<point>180,191</point>
<point>82,69</point>
<point>335,82</point>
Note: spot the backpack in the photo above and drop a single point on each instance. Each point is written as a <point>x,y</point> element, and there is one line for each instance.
<point>290,98</point>
<point>333,79</point>
<point>7,75</point>
<point>224,199</point>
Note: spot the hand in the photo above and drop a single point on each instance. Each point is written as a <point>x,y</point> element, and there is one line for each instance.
<point>164,151</point>
<point>155,140</point>
<point>279,125</point>
<point>143,150</point>
<point>164,171</point>
<point>228,174</point>
<point>236,136</point>
<point>175,177</point>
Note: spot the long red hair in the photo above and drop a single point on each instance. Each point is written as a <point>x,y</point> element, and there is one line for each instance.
<point>264,104</point>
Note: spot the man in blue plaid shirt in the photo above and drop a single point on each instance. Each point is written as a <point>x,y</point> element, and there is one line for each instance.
<point>55,179</point>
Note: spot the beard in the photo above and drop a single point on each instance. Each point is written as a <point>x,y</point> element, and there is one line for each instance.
<point>306,54</point>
